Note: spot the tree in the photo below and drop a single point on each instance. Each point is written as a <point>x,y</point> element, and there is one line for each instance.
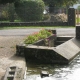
<point>59,3</point>
<point>30,10</point>
<point>11,12</point>
<point>8,12</point>
<point>6,1</point>
<point>78,2</point>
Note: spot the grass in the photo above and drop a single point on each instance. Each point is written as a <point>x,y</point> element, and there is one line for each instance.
<point>26,27</point>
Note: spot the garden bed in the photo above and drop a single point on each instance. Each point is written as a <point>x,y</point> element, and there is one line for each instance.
<point>40,52</point>
<point>51,43</point>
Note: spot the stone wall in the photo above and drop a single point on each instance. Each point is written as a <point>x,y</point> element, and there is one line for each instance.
<point>41,54</point>
<point>2,24</point>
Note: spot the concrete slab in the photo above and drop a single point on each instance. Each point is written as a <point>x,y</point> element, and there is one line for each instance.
<point>16,70</point>
<point>69,49</point>
<point>62,54</point>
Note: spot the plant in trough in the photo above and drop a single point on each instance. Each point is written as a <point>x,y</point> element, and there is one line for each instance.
<point>42,34</point>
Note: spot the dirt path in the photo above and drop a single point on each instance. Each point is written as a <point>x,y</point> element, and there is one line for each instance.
<point>8,51</point>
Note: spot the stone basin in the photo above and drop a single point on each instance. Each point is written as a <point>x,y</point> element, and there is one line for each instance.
<point>50,54</point>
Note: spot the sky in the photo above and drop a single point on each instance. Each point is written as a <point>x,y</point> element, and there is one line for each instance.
<point>75,6</point>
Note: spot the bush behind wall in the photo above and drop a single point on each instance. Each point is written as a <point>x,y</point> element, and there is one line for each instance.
<point>30,10</point>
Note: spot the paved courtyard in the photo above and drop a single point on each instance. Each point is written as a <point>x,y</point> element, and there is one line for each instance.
<point>8,41</point>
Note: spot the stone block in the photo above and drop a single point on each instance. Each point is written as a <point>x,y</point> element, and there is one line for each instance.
<point>44,74</point>
<point>13,73</point>
<point>10,73</point>
<point>69,49</point>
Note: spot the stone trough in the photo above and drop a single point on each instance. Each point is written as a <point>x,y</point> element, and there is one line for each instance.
<point>40,53</point>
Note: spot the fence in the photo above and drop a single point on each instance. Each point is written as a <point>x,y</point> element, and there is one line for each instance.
<point>77,17</point>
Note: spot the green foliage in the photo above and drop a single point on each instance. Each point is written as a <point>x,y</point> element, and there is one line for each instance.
<point>42,34</point>
<point>46,17</point>
<point>4,15</point>
<point>58,3</point>
<point>78,7</point>
<point>11,12</point>
<point>6,1</point>
<point>30,10</point>
<point>8,12</point>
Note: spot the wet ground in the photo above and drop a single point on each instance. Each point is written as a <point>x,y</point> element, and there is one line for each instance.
<point>56,72</point>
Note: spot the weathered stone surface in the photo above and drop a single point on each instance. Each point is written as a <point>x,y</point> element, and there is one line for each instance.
<point>16,71</point>
<point>43,54</point>
<point>51,43</point>
<point>62,39</point>
<point>61,54</point>
<point>69,49</point>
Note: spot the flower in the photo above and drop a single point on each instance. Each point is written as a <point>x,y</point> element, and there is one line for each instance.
<point>42,34</point>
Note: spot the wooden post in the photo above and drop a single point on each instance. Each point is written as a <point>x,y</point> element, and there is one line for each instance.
<point>71,17</point>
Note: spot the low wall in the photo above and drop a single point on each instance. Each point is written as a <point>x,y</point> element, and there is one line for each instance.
<point>42,54</point>
<point>62,54</point>
<point>51,43</point>
<point>2,24</point>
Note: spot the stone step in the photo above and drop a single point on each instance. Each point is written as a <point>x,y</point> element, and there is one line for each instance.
<point>64,38</point>
<point>10,73</point>
<point>69,49</point>
<point>59,42</point>
<point>16,70</point>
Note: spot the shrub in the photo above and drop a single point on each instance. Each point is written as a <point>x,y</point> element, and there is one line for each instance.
<point>11,12</point>
<point>30,10</point>
<point>4,12</point>
<point>46,17</point>
<point>8,12</point>
<point>42,34</point>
